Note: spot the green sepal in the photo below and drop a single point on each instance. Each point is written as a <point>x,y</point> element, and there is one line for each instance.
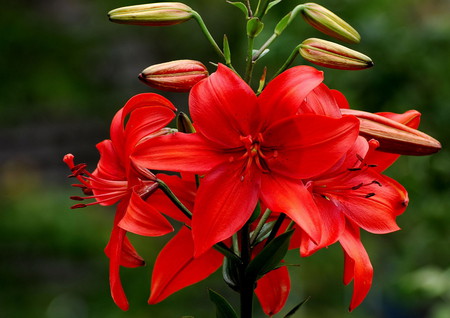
<point>241,6</point>
<point>261,55</point>
<point>254,27</point>
<point>226,50</point>
<point>294,310</point>
<point>230,273</point>
<point>223,307</point>
<point>284,22</point>
<point>270,257</point>
<point>272,4</point>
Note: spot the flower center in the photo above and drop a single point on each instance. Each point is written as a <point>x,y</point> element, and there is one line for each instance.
<point>254,153</point>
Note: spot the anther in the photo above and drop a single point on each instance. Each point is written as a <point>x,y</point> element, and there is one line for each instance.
<point>369,195</point>
<point>78,206</point>
<point>357,186</point>
<point>377,183</point>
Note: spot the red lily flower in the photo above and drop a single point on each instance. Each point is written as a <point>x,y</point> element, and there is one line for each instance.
<point>116,179</point>
<point>354,195</point>
<point>251,147</point>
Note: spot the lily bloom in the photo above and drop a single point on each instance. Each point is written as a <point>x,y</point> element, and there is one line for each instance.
<point>350,196</point>
<point>250,148</point>
<point>117,180</point>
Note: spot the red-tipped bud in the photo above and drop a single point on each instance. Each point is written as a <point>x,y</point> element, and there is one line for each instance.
<point>175,76</point>
<point>393,136</point>
<point>329,23</point>
<point>152,14</point>
<point>333,55</point>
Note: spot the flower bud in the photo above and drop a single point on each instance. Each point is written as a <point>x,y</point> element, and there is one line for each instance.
<point>152,14</point>
<point>184,124</point>
<point>333,55</point>
<point>393,136</point>
<point>174,76</point>
<point>329,23</point>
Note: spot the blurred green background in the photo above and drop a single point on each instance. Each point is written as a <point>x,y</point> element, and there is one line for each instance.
<point>65,70</point>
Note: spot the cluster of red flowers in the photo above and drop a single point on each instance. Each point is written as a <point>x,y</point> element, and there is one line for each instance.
<point>295,152</point>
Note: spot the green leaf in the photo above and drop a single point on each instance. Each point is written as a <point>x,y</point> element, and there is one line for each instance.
<point>272,4</point>
<point>240,6</point>
<point>223,307</point>
<point>230,273</point>
<point>294,310</point>
<point>226,50</point>
<point>270,256</point>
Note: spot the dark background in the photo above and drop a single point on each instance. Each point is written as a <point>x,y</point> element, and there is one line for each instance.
<point>65,70</point>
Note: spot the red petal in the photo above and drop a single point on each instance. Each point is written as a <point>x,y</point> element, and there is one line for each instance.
<point>137,101</point>
<point>273,290</point>
<point>129,257</point>
<point>178,152</point>
<point>283,96</point>
<point>223,108</point>
<point>176,267</point>
<point>333,221</point>
<point>308,145</point>
<point>320,101</point>
<point>358,262</point>
<point>340,99</point>
<point>374,206</point>
<point>143,122</point>
<point>290,196</point>
<point>114,252</point>
<point>225,201</point>
<point>110,171</point>
<point>109,166</point>
<point>143,219</point>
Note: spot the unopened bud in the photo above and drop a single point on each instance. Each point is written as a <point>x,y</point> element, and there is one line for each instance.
<point>184,124</point>
<point>152,14</point>
<point>329,23</point>
<point>174,76</point>
<point>393,136</point>
<point>333,55</point>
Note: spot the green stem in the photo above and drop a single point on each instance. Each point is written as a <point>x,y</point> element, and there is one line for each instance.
<point>264,47</point>
<point>208,35</point>
<point>261,9</point>
<point>249,8</point>
<point>246,283</point>
<point>164,187</point>
<point>289,60</point>
<point>260,225</point>
<point>250,62</point>
<point>235,243</point>
<point>290,226</point>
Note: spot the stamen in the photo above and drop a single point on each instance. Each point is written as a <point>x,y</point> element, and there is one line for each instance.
<point>369,195</point>
<point>377,183</point>
<point>357,186</point>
